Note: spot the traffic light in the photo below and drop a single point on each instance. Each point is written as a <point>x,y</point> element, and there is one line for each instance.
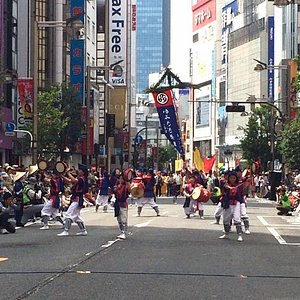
<point>235,108</point>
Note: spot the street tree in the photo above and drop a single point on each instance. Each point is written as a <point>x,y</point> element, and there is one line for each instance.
<point>290,145</point>
<point>256,143</point>
<point>166,154</point>
<point>59,121</point>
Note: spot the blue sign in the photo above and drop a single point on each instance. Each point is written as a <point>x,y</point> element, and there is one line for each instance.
<point>10,127</point>
<point>77,9</point>
<point>77,67</point>
<point>271,57</point>
<point>138,139</point>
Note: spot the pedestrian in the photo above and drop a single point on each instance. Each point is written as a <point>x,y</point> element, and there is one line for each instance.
<point>79,188</point>
<point>178,183</point>
<point>121,192</point>
<point>19,182</point>
<point>158,183</point>
<point>231,203</point>
<point>149,196</point>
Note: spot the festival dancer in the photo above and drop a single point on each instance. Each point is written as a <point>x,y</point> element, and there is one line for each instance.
<point>52,205</point>
<point>231,203</point>
<point>148,198</point>
<point>245,182</point>
<point>189,202</point>
<point>104,192</point>
<point>80,187</point>
<point>121,192</point>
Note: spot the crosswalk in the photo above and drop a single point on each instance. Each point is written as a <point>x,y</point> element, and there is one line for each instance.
<point>285,229</point>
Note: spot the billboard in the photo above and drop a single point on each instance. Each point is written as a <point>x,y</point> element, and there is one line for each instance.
<point>77,67</point>
<point>117,43</point>
<point>271,57</point>
<point>204,12</point>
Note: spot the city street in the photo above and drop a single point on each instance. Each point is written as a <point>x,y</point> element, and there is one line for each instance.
<point>166,257</point>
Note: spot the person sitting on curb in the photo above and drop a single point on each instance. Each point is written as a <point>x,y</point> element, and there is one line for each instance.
<point>284,205</point>
<point>7,225</point>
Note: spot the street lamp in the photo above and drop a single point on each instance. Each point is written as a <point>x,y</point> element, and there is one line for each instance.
<point>73,22</point>
<point>89,70</point>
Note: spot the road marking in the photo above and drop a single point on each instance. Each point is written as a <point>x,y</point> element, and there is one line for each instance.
<point>109,243</point>
<point>143,224</point>
<point>277,236</point>
<point>274,232</point>
<point>3,259</point>
<point>262,220</point>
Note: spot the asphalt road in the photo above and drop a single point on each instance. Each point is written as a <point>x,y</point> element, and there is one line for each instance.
<point>167,257</point>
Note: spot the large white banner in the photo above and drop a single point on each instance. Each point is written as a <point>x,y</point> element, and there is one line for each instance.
<point>117,41</point>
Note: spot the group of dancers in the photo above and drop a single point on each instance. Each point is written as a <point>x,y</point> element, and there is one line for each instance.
<point>71,189</point>
<point>232,204</point>
<point>45,194</point>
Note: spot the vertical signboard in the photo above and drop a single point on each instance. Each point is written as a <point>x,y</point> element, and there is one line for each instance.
<point>271,57</point>
<point>77,9</point>
<point>77,67</point>
<point>117,41</point>
<point>77,56</point>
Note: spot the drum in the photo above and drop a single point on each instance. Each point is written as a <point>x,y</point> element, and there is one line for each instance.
<point>127,175</point>
<point>61,167</point>
<point>42,165</point>
<point>201,194</point>
<point>196,193</point>
<point>136,190</point>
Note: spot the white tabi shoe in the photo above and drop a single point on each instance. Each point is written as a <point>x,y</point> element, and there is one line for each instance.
<point>224,236</point>
<point>240,238</point>
<point>83,233</point>
<point>64,233</point>
<point>121,236</point>
<point>45,227</point>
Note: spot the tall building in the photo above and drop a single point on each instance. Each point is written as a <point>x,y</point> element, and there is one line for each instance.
<point>152,39</point>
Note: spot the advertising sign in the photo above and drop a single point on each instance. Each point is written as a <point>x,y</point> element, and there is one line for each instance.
<point>117,42</point>
<point>77,8</point>
<point>25,93</point>
<point>271,57</point>
<point>77,67</point>
<point>204,12</point>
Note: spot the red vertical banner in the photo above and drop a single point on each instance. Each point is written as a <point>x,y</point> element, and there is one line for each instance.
<point>25,93</point>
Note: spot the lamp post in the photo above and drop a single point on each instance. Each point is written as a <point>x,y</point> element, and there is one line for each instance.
<point>75,23</point>
<point>261,67</point>
<point>89,70</point>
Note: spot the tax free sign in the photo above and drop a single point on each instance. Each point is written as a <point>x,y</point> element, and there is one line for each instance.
<point>117,41</point>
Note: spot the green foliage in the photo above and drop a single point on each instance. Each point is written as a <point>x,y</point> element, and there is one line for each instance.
<point>290,144</point>
<point>166,153</point>
<point>257,140</point>
<point>59,120</point>
<point>296,83</point>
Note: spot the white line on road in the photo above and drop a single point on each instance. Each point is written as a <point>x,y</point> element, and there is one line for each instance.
<point>262,220</point>
<point>274,232</point>
<point>109,243</point>
<point>143,224</point>
<point>277,236</point>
